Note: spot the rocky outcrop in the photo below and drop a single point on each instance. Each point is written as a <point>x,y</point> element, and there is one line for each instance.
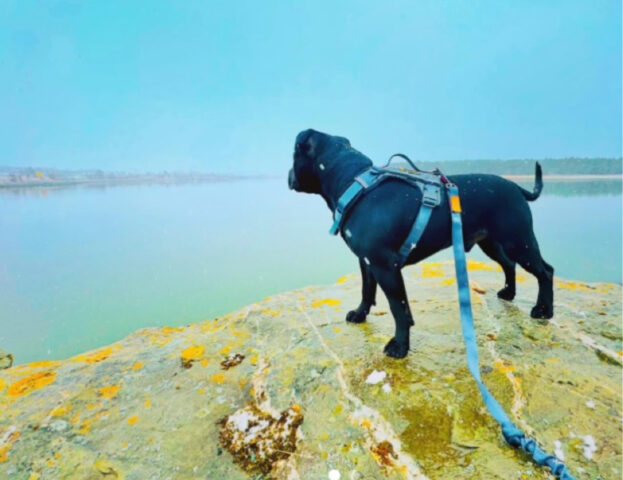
<point>285,388</point>
<point>6,359</point>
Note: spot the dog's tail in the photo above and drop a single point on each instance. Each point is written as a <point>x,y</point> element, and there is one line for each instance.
<point>538,185</point>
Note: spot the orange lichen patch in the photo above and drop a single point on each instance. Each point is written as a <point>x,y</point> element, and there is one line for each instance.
<point>330,302</point>
<point>503,367</point>
<point>337,330</point>
<point>91,406</point>
<point>473,265</point>
<point>520,278</point>
<point>85,426</point>
<point>432,270</point>
<point>33,382</point>
<point>272,313</point>
<point>384,453</point>
<point>225,350</point>
<point>4,453</point>
<point>448,281</point>
<point>210,326</point>
<point>218,378</point>
<point>132,420</point>
<point>109,392</point>
<point>62,410</point>
<point>366,423</point>
<point>4,449</point>
<point>342,279</point>
<point>43,363</point>
<point>147,403</point>
<point>204,362</point>
<point>138,366</point>
<point>239,334</point>
<point>95,357</point>
<point>254,360</point>
<point>192,354</point>
<point>577,286</point>
<point>166,330</point>
<point>2,385</point>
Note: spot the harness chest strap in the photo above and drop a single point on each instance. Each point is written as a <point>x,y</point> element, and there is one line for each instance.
<point>431,197</point>
<point>362,181</point>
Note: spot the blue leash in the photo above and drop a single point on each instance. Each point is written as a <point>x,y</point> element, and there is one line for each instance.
<point>512,434</point>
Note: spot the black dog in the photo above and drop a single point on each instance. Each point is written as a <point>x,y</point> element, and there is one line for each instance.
<point>495,216</point>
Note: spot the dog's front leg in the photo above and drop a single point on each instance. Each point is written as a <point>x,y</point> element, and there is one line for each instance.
<point>368,295</point>
<point>390,280</point>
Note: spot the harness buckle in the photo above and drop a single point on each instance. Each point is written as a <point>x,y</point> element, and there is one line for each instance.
<point>431,196</point>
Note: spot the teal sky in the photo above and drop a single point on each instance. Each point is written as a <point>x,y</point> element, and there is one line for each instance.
<point>225,86</point>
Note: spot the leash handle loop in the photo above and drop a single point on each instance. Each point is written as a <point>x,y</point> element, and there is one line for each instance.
<point>404,157</point>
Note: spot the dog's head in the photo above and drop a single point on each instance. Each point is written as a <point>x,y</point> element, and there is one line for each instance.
<point>315,153</point>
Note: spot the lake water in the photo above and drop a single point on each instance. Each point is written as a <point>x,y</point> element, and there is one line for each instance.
<point>83,267</point>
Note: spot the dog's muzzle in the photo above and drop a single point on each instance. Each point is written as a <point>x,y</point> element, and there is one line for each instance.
<point>292,182</point>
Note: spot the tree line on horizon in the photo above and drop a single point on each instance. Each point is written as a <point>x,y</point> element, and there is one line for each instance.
<point>551,166</point>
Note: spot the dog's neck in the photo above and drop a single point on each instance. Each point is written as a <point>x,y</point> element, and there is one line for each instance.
<point>339,177</point>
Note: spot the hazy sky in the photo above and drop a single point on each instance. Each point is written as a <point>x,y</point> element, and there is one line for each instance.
<point>226,86</point>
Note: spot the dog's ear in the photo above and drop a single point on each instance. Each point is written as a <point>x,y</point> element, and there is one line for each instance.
<point>343,140</point>
<point>306,143</point>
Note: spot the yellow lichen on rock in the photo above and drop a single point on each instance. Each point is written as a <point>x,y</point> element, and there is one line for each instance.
<point>192,354</point>
<point>473,265</point>
<point>33,382</point>
<point>329,302</point>
<point>96,356</point>
<point>432,270</point>
<point>109,392</point>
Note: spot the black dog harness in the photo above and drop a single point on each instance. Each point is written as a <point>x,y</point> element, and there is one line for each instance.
<point>429,183</point>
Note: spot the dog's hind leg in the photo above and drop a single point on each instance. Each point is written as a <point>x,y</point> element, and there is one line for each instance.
<point>527,255</point>
<point>393,286</point>
<point>368,295</point>
<point>495,252</point>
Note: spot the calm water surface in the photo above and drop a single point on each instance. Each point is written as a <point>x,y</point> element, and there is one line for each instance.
<point>83,267</point>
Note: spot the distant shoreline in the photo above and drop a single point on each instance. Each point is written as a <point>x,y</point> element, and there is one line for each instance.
<point>33,183</point>
<point>125,181</point>
<point>580,177</point>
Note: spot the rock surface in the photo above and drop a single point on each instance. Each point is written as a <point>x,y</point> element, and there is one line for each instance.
<point>286,389</point>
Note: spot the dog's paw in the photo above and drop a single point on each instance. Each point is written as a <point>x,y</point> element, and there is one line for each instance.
<point>542,312</point>
<point>506,294</point>
<point>356,316</point>
<point>395,349</point>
